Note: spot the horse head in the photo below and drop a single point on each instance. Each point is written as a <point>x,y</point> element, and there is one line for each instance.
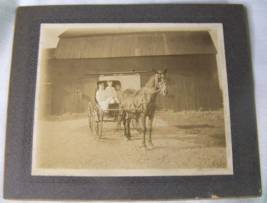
<point>161,81</point>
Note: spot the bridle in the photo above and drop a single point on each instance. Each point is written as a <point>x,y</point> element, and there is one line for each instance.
<point>159,83</point>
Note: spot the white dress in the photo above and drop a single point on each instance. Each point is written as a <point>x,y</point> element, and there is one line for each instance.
<point>101,99</point>
<point>111,95</point>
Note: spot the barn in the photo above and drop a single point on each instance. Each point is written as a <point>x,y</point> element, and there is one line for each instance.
<point>70,71</point>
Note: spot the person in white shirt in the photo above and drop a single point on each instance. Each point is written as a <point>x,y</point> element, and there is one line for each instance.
<point>111,94</point>
<point>101,96</point>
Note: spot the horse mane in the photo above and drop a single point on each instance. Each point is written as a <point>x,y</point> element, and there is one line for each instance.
<point>150,83</point>
<point>129,91</point>
<point>132,97</point>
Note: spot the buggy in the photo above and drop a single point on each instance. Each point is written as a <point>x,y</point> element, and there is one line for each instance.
<point>97,116</point>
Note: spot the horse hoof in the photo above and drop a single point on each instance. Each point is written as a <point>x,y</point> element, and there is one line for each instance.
<point>144,149</point>
<point>126,139</point>
<point>150,145</point>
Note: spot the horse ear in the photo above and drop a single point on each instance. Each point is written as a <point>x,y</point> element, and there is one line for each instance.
<point>156,72</point>
<point>165,70</point>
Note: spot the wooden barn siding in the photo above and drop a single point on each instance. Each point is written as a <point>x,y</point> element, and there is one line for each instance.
<point>67,94</point>
<point>135,45</point>
<point>193,81</point>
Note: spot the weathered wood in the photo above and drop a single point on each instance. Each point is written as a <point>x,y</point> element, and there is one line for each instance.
<point>113,72</point>
<point>193,84</point>
<point>71,46</point>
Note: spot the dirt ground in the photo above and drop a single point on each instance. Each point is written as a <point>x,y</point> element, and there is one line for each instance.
<point>184,140</point>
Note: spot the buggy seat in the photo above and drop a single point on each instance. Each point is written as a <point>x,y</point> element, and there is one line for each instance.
<point>114,83</point>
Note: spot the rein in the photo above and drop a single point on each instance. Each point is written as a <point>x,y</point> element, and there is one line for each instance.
<point>149,92</point>
<point>158,85</point>
<point>138,92</point>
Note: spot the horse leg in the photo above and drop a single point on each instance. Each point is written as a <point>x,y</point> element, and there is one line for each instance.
<point>150,121</point>
<point>143,120</point>
<point>119,117</point>
<point>128,127</point>
<point>124,124</point>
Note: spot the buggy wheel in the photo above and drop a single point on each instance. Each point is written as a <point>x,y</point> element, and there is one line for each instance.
<point>98,122</point>
<point>90,116</point>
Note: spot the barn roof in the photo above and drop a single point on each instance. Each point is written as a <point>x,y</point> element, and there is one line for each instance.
<point>80,43</point>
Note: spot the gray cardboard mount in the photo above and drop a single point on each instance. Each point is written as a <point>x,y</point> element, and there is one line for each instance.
<point>18,182</point>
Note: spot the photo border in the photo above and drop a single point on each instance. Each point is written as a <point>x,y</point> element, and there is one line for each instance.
<point>141,27</point>
<point>18,182</point>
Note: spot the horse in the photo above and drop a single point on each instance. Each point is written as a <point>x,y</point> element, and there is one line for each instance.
<point>142,104</point>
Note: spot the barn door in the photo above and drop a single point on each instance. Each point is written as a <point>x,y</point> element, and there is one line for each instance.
<point>76,100</point>
<point>88,88</point>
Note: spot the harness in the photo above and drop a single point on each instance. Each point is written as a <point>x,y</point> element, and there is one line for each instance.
<point>159,84</point>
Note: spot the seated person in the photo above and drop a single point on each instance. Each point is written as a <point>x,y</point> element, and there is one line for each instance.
<point>101,96</point>
<point>119,92</point>
<point>111,94</point>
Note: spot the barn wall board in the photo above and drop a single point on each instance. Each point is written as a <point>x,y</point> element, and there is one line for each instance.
<point>193,82</point>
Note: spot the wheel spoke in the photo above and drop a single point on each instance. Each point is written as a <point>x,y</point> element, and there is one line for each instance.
<point>90,116</point>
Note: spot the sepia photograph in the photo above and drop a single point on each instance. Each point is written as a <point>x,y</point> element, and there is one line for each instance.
<point>141,99</point>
